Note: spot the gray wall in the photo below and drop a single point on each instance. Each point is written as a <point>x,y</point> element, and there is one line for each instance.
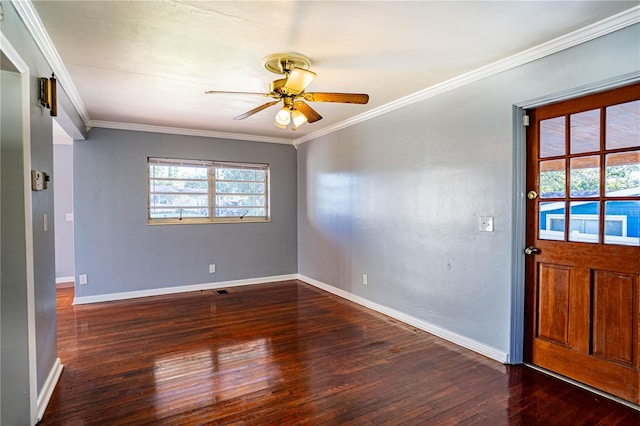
<point>119,252</point>
<point>399,197</point>
<point>13,402</point>
<point>63,190</point>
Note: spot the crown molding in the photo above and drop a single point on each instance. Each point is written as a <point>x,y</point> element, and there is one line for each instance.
<point>606,26</point>
<point>34,25</point>
<point>187,132</point>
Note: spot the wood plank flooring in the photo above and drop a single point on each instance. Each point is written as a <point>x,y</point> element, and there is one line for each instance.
<point>288,353</point>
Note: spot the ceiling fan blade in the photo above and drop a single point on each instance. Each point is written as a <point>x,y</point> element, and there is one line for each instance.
<point>346,98</point>
<point>310,113</point>
<point>222,92</point>
<point>258,109</point>
<point>298,80</point>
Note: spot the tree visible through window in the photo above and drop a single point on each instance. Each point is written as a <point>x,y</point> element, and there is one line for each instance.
<point>193,191</point>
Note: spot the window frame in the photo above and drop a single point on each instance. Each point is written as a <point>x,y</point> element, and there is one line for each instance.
<point>211,166</point>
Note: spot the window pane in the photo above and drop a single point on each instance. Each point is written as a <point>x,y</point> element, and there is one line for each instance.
<point>240,212</point>
<point>240,192</point>
<point>552,137</point>
<point>178,200</point>
<point>623,125</point>
<point>177,172</point>
<point>585,176</point>
<point>172,213</point>
<point>585,131</point>
<point>551,220</point>
<point>239,188</point>
<point>198,186</point>
<point>623,174</point>
<point>240,200</point>
<point>584,220</point>
<point>557,224</point>
<point>622,220</point>
<point>240,174</point>
<point>552,179</point>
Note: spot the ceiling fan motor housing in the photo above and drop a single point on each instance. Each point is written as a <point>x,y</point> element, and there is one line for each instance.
<point>276,86</point>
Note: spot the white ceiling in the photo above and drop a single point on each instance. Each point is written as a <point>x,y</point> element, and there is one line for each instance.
<point>150,62</point>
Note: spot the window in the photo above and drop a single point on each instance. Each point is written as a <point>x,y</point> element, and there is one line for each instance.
<point>585,228</point>
<point>588,167</point>
<point>194,191</point>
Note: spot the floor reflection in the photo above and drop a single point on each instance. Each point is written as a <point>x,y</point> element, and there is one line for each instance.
<point>214,375</point>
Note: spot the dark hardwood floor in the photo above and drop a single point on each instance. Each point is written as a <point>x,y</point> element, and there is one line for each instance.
<point>288,353</point>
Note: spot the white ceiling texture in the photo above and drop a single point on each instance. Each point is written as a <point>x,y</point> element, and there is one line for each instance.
<point>136,64</point>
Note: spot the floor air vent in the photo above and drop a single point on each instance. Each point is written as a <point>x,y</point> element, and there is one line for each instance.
<point>222,292</point>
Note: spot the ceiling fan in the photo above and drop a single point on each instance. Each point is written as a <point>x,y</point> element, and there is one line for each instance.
<point>290,92</point>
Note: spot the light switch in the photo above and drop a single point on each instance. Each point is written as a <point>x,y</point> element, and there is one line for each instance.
<point>486,223</point>
<point>37,180</point>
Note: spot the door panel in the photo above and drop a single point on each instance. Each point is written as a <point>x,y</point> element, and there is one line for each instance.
<point>613,331</point>
<point>553,304</point>
<point>583,282</point>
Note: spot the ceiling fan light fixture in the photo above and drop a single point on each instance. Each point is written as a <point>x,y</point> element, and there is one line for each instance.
<point>283,117</point>
<point>298,80</point>
<point>298,118</point>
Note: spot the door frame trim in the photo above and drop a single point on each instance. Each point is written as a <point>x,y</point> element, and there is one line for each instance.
<point>516,346</point>
<point>12,54</point>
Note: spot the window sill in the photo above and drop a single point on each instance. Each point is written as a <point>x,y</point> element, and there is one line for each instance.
<point>155,222</point>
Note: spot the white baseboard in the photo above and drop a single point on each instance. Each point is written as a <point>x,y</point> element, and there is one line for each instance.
<point>178,289</point>
<point>47,390</point>
<point>65,280</point>
<point>458,339</point>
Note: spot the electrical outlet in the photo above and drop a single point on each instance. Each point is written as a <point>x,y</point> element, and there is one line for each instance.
<point>365,279</point>
<point>212,268</point>
<point>486,223</point>
<point>83,279</point>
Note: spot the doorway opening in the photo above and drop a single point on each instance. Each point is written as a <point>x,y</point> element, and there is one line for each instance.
<point>63,205</point>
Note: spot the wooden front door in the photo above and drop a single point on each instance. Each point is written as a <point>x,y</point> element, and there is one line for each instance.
<point>583,263</point>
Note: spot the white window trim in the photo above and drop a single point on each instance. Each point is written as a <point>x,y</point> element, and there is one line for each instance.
<point>211,193</point>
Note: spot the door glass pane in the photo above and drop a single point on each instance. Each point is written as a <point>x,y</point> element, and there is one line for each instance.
<point>623,125</point>
<point>584,221</point>
<point>552,179</point>
<point>552,137</point>
<point>585,176</point>
<point>552,217</point>
<point>621,222</point>
<point>585,131</point>
<point>623,174</point>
